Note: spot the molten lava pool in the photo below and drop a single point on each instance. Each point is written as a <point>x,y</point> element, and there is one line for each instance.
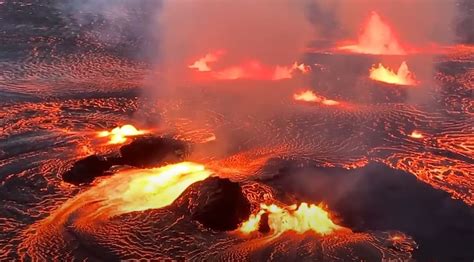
<point>113,148</point>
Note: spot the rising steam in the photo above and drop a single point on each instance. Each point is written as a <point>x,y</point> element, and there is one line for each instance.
<point>272,33</point>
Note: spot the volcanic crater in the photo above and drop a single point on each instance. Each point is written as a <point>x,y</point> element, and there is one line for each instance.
<point>359,150</point>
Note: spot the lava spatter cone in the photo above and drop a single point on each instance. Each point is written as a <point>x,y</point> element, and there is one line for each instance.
<point>85,170</point>
<point>152,151</point>
<point>221,204</point>
<point>143,152</point>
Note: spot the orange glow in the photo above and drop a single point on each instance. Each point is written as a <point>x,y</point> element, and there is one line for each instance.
<point>416,134</point>
<point>440,172</point>
<point>310,96</point>
<point>133,190</point>
<point>251,69</point>
<point>202,64</point>
<point>386,75</point>
<point>302,218</point>
<point>397,238</point>
<point>143,189</point>
<point>120,134</point>
<point>159,187</point>
<point>376,38</point>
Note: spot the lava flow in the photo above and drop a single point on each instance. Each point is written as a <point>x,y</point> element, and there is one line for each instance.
<point>159,187</point>
<point>300,219</point>
<point>137,190</point>
<point>250,69</point>
<point>386,75</point>
<point>376,38</point>
<point>310,96</point>
<point>120,134</point>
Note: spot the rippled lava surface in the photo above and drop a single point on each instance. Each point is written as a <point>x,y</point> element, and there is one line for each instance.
<point>60,84</point>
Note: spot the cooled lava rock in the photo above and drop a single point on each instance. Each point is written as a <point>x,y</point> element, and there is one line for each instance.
<point>86,170</point>
<point>263,226</point>
<point>152,151</point>
<point>220,204</point>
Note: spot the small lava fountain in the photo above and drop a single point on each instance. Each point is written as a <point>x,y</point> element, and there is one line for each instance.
<point>302,218</point>
<point>416,134</point>
<point>386,75</point>
<point>310,96</point>
<point>120,134</point>
<point>376,38</point>
<point>249,69</point>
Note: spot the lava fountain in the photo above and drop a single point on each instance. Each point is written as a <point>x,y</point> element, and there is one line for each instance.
<point>136,190</point>
<point>376,38</point>
<point>310,96</point>
<point>386,75</point>
<point>416,134</point>
<point>202,64</point>
<point>120,134</point>
<point>250,69</point>
<point>159,187</point>
<point>302,218</point>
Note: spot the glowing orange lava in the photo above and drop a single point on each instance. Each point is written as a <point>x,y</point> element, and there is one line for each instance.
<point>416,134</point>
<point>159,187</point>
<point>386,75</point>
<point>202,64</point>
<point>310,96</point>
<point>302,218</point>
<point>129,191</point>
<point>251,69</point>
<point>376,38</point>
<point>139,189</point>
<point>120,134</point>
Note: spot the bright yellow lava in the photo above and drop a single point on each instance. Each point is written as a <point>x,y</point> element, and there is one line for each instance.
<point>306,217</point>
<point>307,96</point>
<point>120,134</point>
<point>310,96</point>
<point>130,190</point>
<point>416,134</point>
<point>159,187</point>
<point>386,75</point>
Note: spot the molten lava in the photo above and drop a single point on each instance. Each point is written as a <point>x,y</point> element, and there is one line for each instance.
<point>202,64</point>
<point>159,187</point>
<point>120,134</point>
<point>251,69</point>
<point>302,218</point>
<point>416,134</point>
<point>376,38</point>
<point>128,191</point>
<point>386,75</point>
<point>310,96</point>
<point>140,189</point>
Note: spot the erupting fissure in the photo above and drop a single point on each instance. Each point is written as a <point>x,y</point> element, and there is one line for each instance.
<point>251,69</point>
<point>386,75</point>
<point>376,38</point>
<point>300,219</point>
<point>120,134</point>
